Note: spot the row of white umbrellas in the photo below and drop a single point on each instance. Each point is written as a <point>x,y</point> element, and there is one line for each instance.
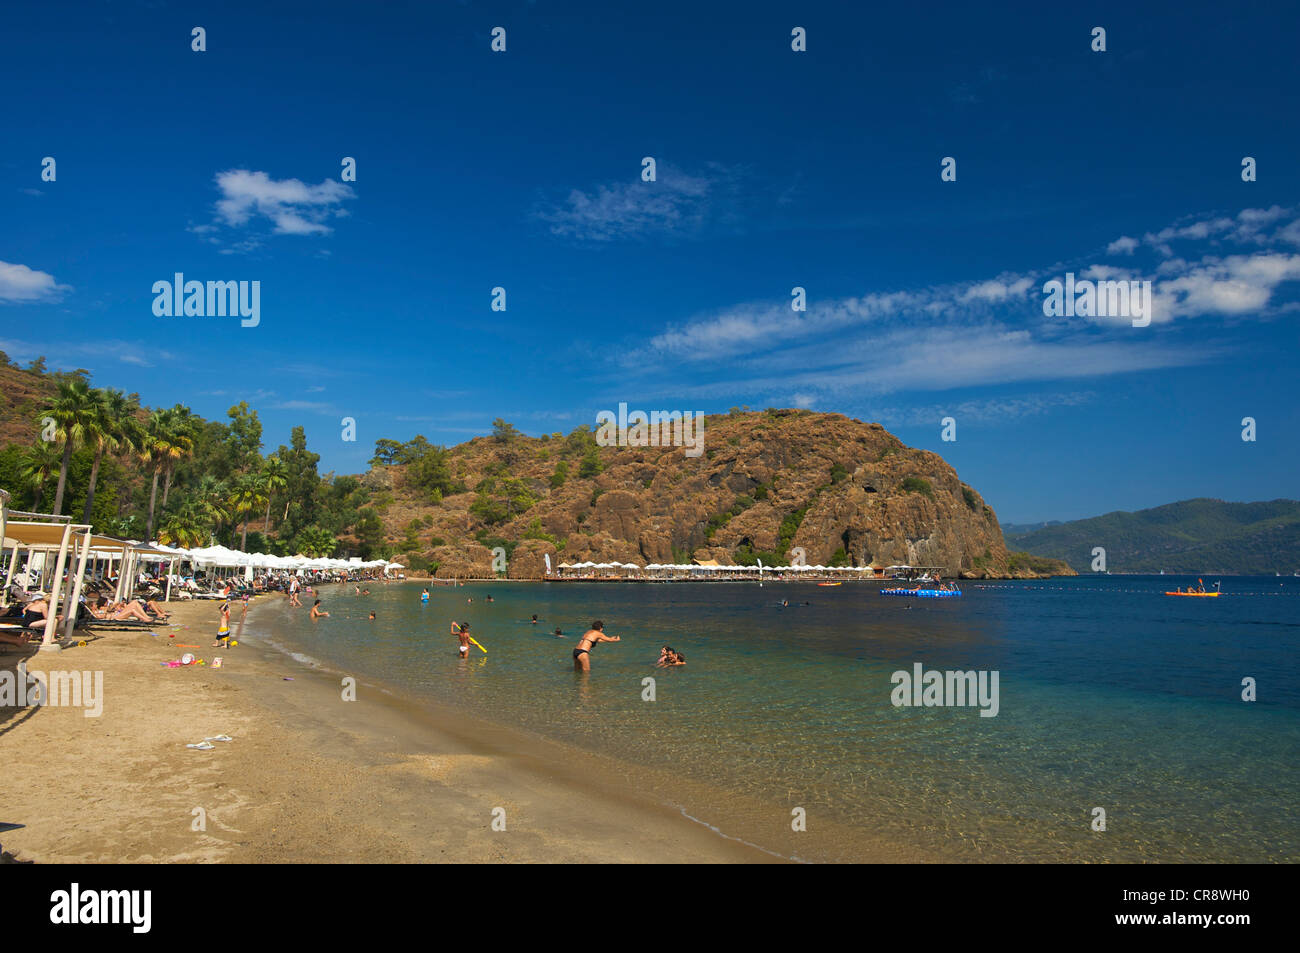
<point>222,556</point>
<point>691,566</point>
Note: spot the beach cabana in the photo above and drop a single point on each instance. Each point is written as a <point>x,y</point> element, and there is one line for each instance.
<point>66,538</point>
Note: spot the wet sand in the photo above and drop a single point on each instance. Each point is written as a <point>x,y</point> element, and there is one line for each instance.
<point>309,777</point>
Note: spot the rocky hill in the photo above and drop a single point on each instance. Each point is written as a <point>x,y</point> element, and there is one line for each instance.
<point>846,492</point>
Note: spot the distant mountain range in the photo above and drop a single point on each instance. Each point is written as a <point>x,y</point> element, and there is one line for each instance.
<point>1024,529</point>
<point>1192,536</point>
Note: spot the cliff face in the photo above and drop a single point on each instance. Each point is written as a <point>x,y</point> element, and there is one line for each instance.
<point>845,492</point>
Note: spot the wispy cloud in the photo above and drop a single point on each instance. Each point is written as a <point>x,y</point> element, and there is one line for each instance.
<point>95,352</point>
<point>23,284</point>
<point>312,406</point>
<point>678,204</point>
<point>990,331</point>
<point>991,411</point>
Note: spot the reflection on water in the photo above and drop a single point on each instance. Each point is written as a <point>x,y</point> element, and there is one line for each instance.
<point>1111,696</point>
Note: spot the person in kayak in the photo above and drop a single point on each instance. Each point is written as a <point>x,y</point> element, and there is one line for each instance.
<point>582,654</point>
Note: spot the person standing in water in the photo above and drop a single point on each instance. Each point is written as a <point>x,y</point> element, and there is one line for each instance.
<point>462,632</point>
<point>582,654</point>
<point>424,596</point>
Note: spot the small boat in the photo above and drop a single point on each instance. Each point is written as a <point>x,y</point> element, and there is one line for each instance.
<point>830,583</point>
<point>1200,595</point>
<point>922,593</point>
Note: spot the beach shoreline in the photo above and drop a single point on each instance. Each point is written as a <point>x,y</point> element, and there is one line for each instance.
<point>309,777</point>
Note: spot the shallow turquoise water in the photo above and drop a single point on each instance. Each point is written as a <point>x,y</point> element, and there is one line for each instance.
<point>1111,695</point>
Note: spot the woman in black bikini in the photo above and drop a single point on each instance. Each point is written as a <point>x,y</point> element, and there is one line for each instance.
<point>582,654</point>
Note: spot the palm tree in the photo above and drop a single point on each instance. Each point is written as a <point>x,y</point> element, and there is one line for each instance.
<point>246,500</point>
<point>71,411</point>
<point>183,425</point>
<point>275,477</point>
<point>153,451</point>
<point>210,501</point>
<point>185,527</point>
<point>39,463</point>
<point>112,430</point>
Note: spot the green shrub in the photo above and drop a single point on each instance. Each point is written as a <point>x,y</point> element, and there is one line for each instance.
<point>918,485</point>
<point>591,465</point>
<point>560,475</point>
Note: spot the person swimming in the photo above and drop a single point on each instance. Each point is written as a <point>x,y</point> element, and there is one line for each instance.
<point>558,633</point>
<point>669,657</point>
<point>533,620</point>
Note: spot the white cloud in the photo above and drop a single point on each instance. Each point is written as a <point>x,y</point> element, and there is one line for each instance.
<point>1232,286</point>
<point>294,207</point>
<point>982,332</point>
<point>20,283</point>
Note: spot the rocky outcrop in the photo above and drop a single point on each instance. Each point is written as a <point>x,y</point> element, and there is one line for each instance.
<point>767,485</point>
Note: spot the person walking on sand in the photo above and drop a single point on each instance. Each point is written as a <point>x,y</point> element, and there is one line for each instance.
<point>582,654</point>
<point>223,629</point>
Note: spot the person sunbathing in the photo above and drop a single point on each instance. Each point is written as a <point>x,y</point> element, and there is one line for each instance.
<point>16,637</point>
<point>123,612</point>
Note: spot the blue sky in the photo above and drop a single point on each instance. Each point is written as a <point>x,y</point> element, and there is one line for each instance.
<point>776,169</point>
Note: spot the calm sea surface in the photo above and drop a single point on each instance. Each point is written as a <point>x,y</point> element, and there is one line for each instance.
<point>1111,695</point>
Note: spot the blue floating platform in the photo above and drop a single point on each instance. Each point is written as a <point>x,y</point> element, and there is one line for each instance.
<point>922,593</point>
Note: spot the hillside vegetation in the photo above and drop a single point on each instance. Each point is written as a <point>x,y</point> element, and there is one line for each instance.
<point>1192,536</point>
<point>776,486</point>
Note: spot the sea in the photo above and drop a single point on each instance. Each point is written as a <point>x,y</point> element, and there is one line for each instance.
<point>1127,725</point>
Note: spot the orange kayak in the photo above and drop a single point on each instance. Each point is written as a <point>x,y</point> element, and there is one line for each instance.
<point>1202,595</point>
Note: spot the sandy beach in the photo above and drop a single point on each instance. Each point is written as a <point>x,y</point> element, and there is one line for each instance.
<point>308,778</point>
